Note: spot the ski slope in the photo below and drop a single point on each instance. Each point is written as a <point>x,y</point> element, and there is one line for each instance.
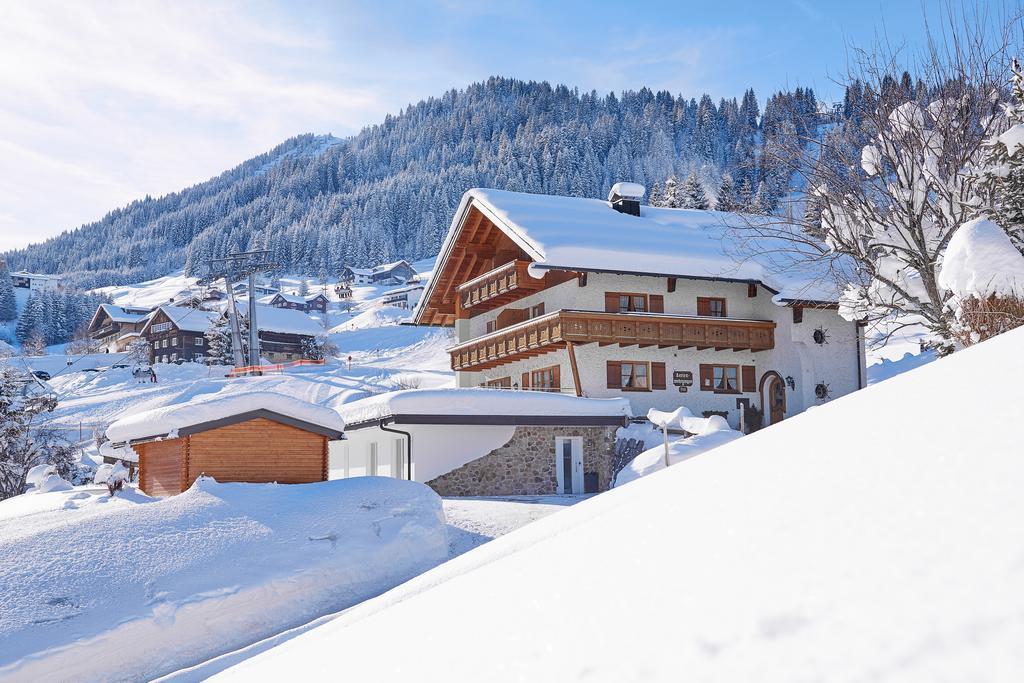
<point>879,537</point>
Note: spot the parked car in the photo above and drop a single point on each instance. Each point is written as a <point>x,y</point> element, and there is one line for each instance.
<point>42,374</point>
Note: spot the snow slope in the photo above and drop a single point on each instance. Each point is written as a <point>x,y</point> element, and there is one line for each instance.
<point>131,588</point>
<point>878,537</point>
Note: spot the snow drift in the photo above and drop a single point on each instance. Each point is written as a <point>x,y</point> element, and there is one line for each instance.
<point>878,537</point>
<point>133,588</point>
<point>980,261</point>
<point>708,433</point>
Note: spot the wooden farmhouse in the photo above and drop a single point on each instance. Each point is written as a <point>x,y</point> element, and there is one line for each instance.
<point>258,437</point>
<point>615,299</point>
<point>298,302</point>
<point>116,326</point>
<point>283,332</point>
<point>177,333</point>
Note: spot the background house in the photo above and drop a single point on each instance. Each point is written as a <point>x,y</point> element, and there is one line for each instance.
<point>176,333</point>
<point>115,326</point>
<point>299,302</point>
<point>386,274</point>
<point>37,282</point>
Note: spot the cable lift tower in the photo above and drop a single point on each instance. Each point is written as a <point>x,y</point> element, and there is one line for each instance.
<point>232,268</point>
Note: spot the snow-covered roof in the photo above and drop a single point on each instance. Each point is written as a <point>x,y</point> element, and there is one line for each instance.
<point>188,319</point>
<point>385,267</point>
<point>119,315</point>
<point>576,233</point>
<point>299,298</point>
<point>35,276</point>
<point>284,320</point>
<point>171,420</point>
<point>126,453</point>
<point>478,402</point>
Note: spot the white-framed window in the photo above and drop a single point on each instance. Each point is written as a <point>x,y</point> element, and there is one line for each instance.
<point>400,470</point>
<point>199,341</point>
<point>164,344</point>
<point>174,341</point>
<point>371,460</point>
<point>174,357</point>
<point>156,345</point>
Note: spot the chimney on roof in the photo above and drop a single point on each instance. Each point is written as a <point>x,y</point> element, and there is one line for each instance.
<point>625,197</point>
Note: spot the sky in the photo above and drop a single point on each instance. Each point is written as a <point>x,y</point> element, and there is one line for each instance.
<point>105,102</point>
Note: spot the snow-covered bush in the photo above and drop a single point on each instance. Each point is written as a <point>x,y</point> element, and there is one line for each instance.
<point>708,433</point>
<point>984,272</point>
<point>114,475</point>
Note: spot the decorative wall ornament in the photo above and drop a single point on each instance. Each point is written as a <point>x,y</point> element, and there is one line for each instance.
<point>820,336</point>
<point>821,391</point>
<point>790,382</point>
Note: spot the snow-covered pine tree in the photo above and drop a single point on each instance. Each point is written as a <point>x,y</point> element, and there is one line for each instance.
<point>670,197</point>
<point>728,198</point>
<point>654,197</point>
<point>8,304</point>
<point>22,405</point>
<point>1001,181</point>
<point>303,287</point>
<point>218,342</point>
<point>30,320</point>
<point>693,196</point>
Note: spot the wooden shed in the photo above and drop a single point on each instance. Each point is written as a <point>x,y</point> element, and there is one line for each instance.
<point>255,446</point>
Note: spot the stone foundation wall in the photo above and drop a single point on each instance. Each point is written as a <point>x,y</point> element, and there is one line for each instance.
<point>526,464</point>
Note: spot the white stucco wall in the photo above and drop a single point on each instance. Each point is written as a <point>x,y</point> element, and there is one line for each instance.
<point>836,363</point>
<point>436,449</point>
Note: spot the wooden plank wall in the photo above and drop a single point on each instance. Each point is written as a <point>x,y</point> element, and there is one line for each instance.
<point>160,464</point>
<point>259,450</point>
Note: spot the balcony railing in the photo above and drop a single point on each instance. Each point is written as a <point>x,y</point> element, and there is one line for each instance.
<point>552,331</point>
<point>498,286</point>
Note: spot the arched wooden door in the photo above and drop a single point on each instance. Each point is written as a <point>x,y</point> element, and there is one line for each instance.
<point>773,397</point>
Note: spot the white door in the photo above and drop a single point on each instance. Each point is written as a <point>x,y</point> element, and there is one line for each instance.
<point>569,464</point>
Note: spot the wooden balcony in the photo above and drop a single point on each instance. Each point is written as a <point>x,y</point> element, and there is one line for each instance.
<point>552,331</point>
<point>498,287</point>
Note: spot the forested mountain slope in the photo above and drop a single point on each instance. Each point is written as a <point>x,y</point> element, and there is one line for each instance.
<point>320,203</point>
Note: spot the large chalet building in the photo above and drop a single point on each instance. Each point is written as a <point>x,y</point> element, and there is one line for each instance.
<point>614,299</point>
<point>177,333</point>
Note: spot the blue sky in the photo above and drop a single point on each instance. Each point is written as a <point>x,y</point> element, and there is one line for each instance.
<point>105,102</point>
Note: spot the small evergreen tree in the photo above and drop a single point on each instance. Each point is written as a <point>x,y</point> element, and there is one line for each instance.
<point>23,445</point>
<point>218,342</point>
<point>693,196</point>
<point>728,198</point>
<point>8,305</point>
<point>1001,182</point>
<point>303,287</point>
<point>670,197</point>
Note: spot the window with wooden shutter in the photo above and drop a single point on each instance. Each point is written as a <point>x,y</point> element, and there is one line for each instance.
<point>705,378</point>
<point>526,381</point>
<point>711,306</point>
<point>658,376</point>
<point>625,302</point>
<point>614,375</point>
<point>490,326</point>
<point>798,314</point>
<point>749,378</point>
<point>537,311</point>
<point>546,379</point>
<point>751,290</point>
<point>671,284</point>
<point>657,303</point>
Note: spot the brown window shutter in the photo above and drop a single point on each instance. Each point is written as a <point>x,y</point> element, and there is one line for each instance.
<point>671,284</point>
<point>614,374</point>
<point>798,314</point>
<point>539,309</point>
<point>751,290</point>
<point>749,378</point>
<point>706,378</point>
<point>657,303</point>
<point>658,375</point>
<point>611,302</point>
<point>703,306</point>
<point>557,377</point>
<point>526,381</point>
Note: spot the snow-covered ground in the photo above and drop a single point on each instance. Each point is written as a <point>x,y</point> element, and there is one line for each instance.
<point>475,521</point>
<point>128,588</point>
<point>878,537</point>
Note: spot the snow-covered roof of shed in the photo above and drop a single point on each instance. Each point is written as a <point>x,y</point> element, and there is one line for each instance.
<point>478,402</point>
<point>298,298</point>
<point>167,421</point>
<point>576,233</point>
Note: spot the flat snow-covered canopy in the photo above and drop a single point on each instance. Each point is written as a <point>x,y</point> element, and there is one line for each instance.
<point>878,537</point>
<point>488,406</point>
<point>169,421</point>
